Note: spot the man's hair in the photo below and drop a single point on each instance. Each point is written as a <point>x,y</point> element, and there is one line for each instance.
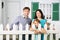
<point>26,8</point>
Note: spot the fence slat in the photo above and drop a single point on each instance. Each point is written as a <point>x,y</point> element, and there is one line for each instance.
<point>33,36</point>
<point>7,37</point>
<point>20,37</point>
<point>8,29</point>
<point>1,29</point>
<point>14,37</point>
<point>27,28</point>
<point>51,36</point>
<point>20,29</point>
<point>1,37</point>
<point>57,37</point>
<point>26,36</point>
<point>14,29</point>
<point>45,36</point>
<point>39,36</point>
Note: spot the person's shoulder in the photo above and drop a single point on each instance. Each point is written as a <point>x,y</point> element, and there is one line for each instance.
<point>19,16</point>
<point>29,18</point>
<point>43,19</point>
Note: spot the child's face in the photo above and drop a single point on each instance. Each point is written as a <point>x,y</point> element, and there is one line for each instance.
<point>36,23</point>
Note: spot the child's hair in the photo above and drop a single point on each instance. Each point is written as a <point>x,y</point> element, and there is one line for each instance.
<point>37,20</point>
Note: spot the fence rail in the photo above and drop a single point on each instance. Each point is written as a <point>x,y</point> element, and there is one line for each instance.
<point>20,32</point>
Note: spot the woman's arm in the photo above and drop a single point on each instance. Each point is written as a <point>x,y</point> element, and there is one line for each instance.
<point>43,30</point>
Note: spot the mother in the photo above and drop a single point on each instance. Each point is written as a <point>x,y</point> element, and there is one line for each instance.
<point>39,15</point>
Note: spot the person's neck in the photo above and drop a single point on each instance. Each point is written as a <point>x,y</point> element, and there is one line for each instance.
<point>39,18</point>
<point>25,16</point>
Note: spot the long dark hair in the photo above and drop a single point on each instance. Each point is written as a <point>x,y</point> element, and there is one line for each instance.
<point>42,16</point>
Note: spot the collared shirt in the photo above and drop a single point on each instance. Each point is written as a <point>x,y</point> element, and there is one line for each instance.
<point>22,20</point>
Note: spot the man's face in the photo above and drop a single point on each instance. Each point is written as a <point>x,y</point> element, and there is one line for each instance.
<point>26,12</point>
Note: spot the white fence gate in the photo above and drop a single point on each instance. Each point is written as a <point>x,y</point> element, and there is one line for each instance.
<point>20,32</point>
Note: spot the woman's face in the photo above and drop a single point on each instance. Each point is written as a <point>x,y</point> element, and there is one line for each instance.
<point>38,14</point>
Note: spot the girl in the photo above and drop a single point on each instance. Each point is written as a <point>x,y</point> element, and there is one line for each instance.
<point>36,27</point>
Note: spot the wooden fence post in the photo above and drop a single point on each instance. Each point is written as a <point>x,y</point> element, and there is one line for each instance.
<point>20,29</point>
<point>1,29</point>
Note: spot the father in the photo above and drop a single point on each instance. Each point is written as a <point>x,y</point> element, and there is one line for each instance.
<point>23,20</point>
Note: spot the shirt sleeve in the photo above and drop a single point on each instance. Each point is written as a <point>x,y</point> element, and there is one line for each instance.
<point>30,22</point>
<point>16,21</point>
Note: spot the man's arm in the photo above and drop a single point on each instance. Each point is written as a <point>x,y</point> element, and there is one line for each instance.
<point>16,21</point>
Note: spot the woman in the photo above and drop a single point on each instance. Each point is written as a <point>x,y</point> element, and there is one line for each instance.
<point>39,15</point>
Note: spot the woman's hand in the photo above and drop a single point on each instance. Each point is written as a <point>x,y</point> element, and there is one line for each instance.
<point>43,31</point>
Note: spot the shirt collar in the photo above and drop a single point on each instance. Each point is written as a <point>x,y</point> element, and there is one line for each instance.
<point>24,16</point>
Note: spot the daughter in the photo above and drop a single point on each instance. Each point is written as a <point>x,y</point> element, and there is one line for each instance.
<point>36,27</point>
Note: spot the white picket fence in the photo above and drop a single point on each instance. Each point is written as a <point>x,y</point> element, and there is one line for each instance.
<point>20,32</point>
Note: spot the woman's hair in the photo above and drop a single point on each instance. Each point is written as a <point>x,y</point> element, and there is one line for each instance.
<point>42,16</point>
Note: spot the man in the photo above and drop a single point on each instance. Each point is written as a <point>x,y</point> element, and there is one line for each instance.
<point>23,20</point>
